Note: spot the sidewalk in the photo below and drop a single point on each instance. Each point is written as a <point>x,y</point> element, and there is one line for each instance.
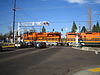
<point>87,71</point>
<point>96,50</point>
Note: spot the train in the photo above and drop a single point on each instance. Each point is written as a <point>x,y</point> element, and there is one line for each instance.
<point>54,38</point>
<point>84,38</point>
<point>90,38</point>
<point>51,38</point>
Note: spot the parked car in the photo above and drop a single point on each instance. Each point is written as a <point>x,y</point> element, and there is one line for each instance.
<point>30,44</point>
<point>0,46</point>
<point>20,44</point>
<point>40,45</point>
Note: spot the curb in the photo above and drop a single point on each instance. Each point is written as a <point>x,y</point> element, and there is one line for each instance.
<point>96,50</point>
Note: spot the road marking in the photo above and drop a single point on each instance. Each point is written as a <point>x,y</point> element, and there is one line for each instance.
<point>94,70</point>
<point>23,54</point>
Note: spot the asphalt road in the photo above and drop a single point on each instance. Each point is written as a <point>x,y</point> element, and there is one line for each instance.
<point>47,61</point>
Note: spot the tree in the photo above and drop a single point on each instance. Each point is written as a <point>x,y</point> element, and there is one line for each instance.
<point>53,29</point>
<point>10,33</point>
<point>94,28</point>
<point>1,36</point>
<point>43,29</point>
<point>74,27</point>
<point>97,27</point>
<point>62,29</point>
<point>83,29</point>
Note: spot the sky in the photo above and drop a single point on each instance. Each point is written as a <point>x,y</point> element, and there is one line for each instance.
<point>59,13</point>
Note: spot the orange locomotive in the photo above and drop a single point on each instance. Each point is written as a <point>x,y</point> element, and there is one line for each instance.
<point>27,37</point>
<point>54,37</point>
<point>49,37</point>
<point>71,37</point>
<point>41,37</point>
<point>85,38</point>
<point>90,38</point>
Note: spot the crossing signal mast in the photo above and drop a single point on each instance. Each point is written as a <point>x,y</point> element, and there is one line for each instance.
<point>29,24</point>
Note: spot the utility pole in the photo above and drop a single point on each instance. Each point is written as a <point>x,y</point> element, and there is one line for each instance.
<point>14,13</point>
<point>89,19</point>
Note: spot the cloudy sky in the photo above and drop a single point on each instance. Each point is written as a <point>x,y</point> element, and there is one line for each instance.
<point>83,1</point>
<point>59,13</point>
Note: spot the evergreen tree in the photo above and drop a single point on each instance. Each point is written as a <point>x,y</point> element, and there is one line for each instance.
<point>43,29</point>
<point>1,36</point>
<point>83,29</point>
<point>94,28</point>
<point>97,27</point>
<point>61,29</point>
<point>74,27</point>
<point>53,29</point>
